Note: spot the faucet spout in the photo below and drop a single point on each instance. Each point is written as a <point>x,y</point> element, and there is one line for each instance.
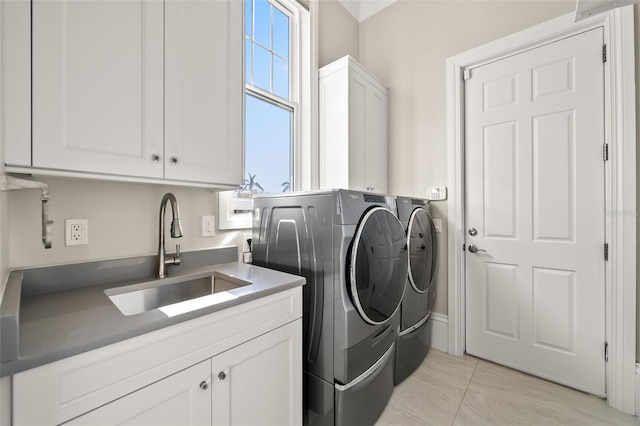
<point>176,232</point>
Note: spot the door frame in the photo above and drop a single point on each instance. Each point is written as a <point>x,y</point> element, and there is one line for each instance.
<point>620,186</point>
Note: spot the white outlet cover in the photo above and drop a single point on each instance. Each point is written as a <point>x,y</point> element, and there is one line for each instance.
<point>208,226</point>
<point>437,223</point>
<point>76,232</point>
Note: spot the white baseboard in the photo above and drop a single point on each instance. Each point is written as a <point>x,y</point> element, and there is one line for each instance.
<point>638,390</point>
<point>440,332</point>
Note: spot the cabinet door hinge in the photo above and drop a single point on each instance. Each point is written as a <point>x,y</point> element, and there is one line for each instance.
<point>466,74</point>
<point>464,247</point>
<point>606,351</point>
<point>606,251</point>
<point>604,53</point>
<point>605,152</point>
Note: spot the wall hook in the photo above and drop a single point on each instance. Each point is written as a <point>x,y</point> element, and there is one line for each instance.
<point>10,183</point>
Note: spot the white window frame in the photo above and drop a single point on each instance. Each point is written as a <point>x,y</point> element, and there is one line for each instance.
<point>300,91</point>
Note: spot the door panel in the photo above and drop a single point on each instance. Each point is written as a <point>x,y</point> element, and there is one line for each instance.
<point>535,193</point>
<point>97,86</point>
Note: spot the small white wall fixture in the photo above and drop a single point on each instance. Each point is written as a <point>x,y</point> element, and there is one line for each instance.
<point>620,135</point>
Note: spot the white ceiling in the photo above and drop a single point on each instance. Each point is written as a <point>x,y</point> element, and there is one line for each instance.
<point>362,9</point>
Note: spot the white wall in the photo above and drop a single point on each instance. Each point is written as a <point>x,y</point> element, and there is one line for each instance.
<point>338,32</point>
<point>123,221</point>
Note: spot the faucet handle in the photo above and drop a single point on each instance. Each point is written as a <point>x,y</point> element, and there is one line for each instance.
<point>178,251</point>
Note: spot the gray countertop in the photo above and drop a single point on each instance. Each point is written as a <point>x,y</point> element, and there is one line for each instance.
<point>74,319</point>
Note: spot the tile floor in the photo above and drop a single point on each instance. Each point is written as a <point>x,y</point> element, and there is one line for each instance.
<point>448,390</point>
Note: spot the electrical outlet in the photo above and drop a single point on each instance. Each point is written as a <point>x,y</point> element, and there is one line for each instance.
<point>76,232</point>
<point>208,226</point>
<point>437,223</point>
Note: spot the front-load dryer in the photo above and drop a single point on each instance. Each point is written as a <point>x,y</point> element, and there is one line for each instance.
<point>414,340</point>
<point>351,248</point>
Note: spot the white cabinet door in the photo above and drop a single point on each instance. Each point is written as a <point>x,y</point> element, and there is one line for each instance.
<point>376,140</point>
<point>260,382</point>
<point>97,86</point>
<point>203,91</point>
<point>183,398</point>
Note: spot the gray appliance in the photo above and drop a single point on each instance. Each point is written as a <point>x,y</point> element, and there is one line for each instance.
<point>414,340</point>
<point>351,248</point>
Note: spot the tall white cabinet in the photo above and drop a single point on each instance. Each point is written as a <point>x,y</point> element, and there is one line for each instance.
<point>134,89</point>
<point>353,127</point>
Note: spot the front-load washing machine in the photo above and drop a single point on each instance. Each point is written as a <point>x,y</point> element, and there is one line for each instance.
<point>414,340</point>
<point>351,248</point>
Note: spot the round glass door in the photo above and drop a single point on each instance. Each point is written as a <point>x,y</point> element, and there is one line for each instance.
<point>378,266</point>
<point>423,250</point>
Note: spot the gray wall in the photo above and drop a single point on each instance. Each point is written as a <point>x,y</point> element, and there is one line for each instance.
<point>637,21</point>
<point>338,33</point>
<point>123,221</point>
<point>406,45</point>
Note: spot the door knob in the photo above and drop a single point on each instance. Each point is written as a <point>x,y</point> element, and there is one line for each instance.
<point>474,249</point>
<point>222,376</point>
<point>473,232</point>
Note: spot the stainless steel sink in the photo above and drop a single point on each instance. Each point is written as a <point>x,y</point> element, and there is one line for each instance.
<point>142,297</point>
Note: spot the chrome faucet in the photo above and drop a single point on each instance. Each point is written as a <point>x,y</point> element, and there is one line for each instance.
<point>176,232</point>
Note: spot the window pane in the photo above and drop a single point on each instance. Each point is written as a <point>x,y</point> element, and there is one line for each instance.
<point>248,58</point>
<point>261,68</point>
<point>280,77</point>
<point>247,17</point>
<point>267,146</point>
<point>280,33</point>
<point>262,24</point>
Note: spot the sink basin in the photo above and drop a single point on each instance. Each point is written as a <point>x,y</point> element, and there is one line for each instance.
<point>138,298</point>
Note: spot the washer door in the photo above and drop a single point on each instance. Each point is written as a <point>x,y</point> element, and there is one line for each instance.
<point>378,266</point>
<point>423,250</point>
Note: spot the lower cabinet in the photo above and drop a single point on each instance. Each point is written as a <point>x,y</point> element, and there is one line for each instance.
<point>238,366</point>
<point>260,382</point>
<point>256,383</point>
<point>180,399</point>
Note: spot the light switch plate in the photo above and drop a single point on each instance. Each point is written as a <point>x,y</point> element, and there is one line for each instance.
<point>437,193</point>
<point>208,226</point>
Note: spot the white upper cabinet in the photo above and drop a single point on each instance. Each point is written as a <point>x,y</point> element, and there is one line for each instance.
<point>137,89</point>
<point>203,90</point>
<point>97,86</point>
<point>353,128</point>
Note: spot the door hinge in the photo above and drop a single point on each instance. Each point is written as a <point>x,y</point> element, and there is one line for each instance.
<point>466,74</point>
<point>604,53</point>
<point>464,247</point>
<point>605,152</point>
<point>606,351</point>
<point>606,251</point>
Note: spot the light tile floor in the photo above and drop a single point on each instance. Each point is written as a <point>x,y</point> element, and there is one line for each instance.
<point>448,390</point>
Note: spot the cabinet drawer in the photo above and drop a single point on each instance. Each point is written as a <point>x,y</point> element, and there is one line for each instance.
<point>70,387</point>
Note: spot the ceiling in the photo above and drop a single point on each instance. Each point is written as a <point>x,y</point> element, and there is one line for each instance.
<point>362,9</point>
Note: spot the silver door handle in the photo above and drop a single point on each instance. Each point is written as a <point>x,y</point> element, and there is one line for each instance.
<point>474,249</point>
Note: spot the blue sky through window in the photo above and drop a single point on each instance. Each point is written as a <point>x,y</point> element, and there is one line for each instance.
<point>268,126</point>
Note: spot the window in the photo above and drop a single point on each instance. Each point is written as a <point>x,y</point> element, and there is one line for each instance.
<point>274,40</point>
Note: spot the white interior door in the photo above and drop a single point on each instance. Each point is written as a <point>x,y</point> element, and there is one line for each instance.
<point>534,172</point>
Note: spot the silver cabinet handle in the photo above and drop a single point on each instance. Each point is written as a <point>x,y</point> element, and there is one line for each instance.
<point>155,158</point>
<point>222,376</point>
<point>473,232</point>
<point>204,385</point>
<point>474,249</point>
<point>174,160</point>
